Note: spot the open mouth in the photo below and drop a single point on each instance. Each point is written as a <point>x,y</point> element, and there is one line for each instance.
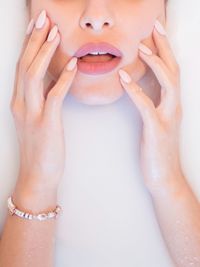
<point>97,58</point>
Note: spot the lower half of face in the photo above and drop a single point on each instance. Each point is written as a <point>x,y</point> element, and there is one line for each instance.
<point>127,33</point>
<point>98,89</point>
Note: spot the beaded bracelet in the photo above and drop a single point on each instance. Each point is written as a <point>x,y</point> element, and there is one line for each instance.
<point>41,217</point>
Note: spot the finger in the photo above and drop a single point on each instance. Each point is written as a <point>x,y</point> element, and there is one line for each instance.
<point>167,80</point>
<point>25,42</point>
<point>41,62</point>
<point>57,94</point>
<point>36,40</point>
<point>32,44</point>
<point>29,31</point>
<point>48,88</point>
<point>143,103</point>
<point>164,48</point>
<point>34,94</point>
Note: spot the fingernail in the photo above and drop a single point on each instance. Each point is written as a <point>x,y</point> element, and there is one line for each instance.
<point>125,76</point>
<point>30,27</point>
<point>72,64</point>
<point>159,27</point>
<point>145,49</point>
<point>52,34</point>
<point>41,20</point>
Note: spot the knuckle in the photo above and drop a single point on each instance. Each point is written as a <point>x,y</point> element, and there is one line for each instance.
<point>12,109</point>
<point>63,80</point>
<point>54,99</point>
<point>16,112</point>
<point>156,60</point>
<point>29,118</point>
<point>30,76</point>
<point>149,109</point>
<point>34,39</point>
<point>22,65</point>
<point>44,50</point>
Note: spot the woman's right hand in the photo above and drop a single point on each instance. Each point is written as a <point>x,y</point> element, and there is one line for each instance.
<point>37,112</point>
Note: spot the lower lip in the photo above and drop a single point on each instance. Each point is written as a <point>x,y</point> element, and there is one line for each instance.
<point>95,68</point>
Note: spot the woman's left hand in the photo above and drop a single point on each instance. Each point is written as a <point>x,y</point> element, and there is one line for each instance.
<point>160,157</point>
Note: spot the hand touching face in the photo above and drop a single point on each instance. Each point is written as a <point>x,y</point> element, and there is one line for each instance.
<point>160,156</point>
<point>122,23</point>
<point>37,110</point>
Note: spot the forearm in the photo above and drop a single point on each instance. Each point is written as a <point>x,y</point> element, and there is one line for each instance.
<point>29,242</point>
<point>178,213</point>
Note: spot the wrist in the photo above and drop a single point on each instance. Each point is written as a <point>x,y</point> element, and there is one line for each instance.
<point>38,180</point>
<point>175,184</point>
<point>34,199</point>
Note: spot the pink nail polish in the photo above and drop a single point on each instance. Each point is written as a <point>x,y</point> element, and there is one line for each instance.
<point>30,27</point>
<point>159,27</point>
<point>124,76</point>
<point>52,34</point>
<point>145,49</point>
<point>41,20</point>
<point>72,64</point>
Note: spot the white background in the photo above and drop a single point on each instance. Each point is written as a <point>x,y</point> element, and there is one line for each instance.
<point>108,218</point>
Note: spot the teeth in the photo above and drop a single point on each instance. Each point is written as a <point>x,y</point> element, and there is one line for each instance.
<point>98,53</point>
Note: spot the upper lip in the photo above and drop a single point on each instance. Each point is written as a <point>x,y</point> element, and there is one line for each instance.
<point>98,47</point>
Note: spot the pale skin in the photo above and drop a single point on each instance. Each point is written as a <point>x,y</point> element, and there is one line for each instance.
<point>118,23</point>
<point>37,113</point>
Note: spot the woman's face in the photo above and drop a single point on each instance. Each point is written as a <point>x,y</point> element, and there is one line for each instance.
<point>121,23</point>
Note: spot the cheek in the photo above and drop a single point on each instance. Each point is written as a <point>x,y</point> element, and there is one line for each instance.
<point>140,23</point>
<point>147,25</point>
<point>147,21</point>
<point>52,13</point>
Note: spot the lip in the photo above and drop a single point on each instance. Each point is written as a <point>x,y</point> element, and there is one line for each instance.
<point>95,68</point>
<point>98,47</point>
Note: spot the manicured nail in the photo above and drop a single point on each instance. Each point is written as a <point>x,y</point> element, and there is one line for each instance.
<point>30,27</point>
<point>125,76</point>
<point>41,20</point>
<point>159,27</point>
<point>72,64</point>
<point>145,49</point>
<point>52,33</point>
